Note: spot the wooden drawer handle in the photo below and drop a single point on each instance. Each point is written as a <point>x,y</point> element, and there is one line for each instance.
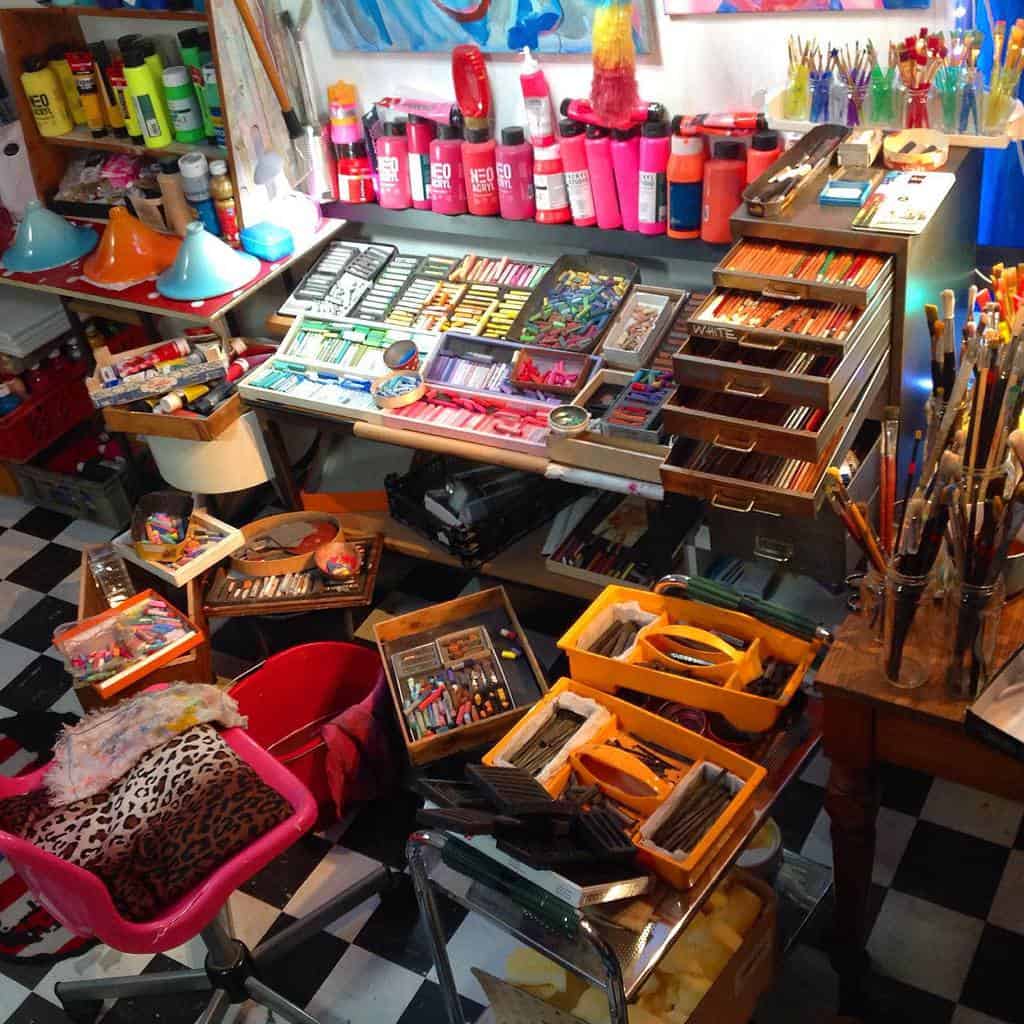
<point>730,387</point>
<point>743,450</point>
<point>768,346</point>
<point>781,294</point>
<point>718,502</point>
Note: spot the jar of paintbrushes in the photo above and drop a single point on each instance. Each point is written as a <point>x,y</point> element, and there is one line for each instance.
<point>910,653</point>
<point>972,616</point>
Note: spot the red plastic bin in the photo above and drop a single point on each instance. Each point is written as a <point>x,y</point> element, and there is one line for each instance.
<point>41,420</point>
<point>288,697</point>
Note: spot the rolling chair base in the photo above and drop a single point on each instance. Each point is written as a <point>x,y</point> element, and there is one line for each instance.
<point>231,972</point>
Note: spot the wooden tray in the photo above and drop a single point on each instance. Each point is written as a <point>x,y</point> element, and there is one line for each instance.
<point>635,359</point>
<point>186,428</point>
<point>746,433</point>
<point>773,286</point>
<point>452,615</point>
<point>738,495</point>
<point>280,566</point>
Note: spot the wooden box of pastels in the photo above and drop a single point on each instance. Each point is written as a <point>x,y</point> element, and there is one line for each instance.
<point>719,661</point>
<point>672,792</point>
<point>460,673</point>
<point>773,384</point>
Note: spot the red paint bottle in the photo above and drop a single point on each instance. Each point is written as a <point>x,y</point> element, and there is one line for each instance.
<point>479,171</point>
<point>514,164</point>
<point>725,176</point>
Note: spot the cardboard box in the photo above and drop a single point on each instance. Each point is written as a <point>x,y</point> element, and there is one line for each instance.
<point>490,608</point>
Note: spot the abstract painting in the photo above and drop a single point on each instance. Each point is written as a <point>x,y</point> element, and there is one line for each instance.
<point>788,6</point>
<point>496,26</point>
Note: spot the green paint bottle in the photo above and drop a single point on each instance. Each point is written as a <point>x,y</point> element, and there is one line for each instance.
<point>188,42</point>
<point>186,118</point>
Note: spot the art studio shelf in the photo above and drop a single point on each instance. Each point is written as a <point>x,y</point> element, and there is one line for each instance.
<point>82,138</point>
<point>118,12</point>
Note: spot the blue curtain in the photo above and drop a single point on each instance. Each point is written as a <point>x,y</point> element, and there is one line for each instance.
<point>1001,220</point>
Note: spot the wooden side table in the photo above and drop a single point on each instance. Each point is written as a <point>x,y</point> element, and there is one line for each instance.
<point>867,721</point>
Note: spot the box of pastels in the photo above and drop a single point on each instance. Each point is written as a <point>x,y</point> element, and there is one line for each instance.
<point>674,793</point>
<point>574,303</point>
<point>639,326</point>
<point>112,650</point>
<point>516,424</point>
<point>696,654</point>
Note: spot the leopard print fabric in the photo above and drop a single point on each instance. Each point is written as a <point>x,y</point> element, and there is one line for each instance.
<point>182,811</point>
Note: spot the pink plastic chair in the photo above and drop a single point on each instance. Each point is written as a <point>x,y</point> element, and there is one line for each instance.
<point>82,903</point>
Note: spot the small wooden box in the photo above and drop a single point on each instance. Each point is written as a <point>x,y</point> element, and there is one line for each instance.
<point>490,608</point>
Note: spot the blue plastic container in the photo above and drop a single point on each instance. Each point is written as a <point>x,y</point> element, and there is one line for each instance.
<point>267,241</point>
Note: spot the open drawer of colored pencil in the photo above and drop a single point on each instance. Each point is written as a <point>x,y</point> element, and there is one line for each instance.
<point>793,271</point>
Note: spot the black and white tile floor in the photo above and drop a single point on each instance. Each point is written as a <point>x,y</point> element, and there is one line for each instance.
<point>948,932</point>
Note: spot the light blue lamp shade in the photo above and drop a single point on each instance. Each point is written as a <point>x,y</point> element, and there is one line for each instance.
<point>46,240</point>
<point>205,268</point>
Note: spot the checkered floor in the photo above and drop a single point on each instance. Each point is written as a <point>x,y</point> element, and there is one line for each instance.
<point>949,877</point>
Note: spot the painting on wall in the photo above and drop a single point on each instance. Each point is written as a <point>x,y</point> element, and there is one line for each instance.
<point>496,26</point>
<point>788,6</point>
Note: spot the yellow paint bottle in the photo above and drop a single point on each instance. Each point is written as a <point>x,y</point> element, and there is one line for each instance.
<point>45,98</point>
<point>156,126</point>
<point>58,64</point>
<point>84,70</point>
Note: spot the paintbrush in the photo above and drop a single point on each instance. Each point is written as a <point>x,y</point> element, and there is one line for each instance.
<point>948,299</point>
<point>909,483</point>
<point>931,312</point>
<point>887,501</point>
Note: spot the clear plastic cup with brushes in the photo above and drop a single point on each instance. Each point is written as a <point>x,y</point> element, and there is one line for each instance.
<point>796,100</point>
<point>821,90</point>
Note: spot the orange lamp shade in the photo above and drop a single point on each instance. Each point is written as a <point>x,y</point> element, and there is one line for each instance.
<point>129,253</point>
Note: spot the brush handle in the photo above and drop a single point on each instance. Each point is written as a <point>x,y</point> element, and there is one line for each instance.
<point>291,121</point>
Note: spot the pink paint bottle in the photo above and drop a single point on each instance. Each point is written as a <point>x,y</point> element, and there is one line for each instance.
<point>478,168</point>
<point>573,147</point>
<point>626,164</point>
<point>393,167</point>
<point>652,207</point>
<point>602,177</point>
<point>447,184</point>
<point>419,134</point>
<point>514,166</point>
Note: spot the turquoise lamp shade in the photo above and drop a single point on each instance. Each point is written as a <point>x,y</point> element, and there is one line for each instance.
<point>205,268</point>
<point>46,240</point>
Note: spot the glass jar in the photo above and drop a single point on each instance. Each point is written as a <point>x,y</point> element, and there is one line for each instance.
<point>872,605</point>
<point>912,623</point>
<point>972,95</point>
<point>838,102</point>
<point>796,100</point>
<point>821,86</point>
<point>972,615</point>
<point>881,111</point>
<point>856,110</point>
<point>946,101</point>
<point>917,106</point>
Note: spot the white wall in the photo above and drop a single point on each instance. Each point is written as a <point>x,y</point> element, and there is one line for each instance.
<point>712,62</point>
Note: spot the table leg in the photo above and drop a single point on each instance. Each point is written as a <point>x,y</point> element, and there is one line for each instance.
<point>851,800</point>
<point>283,479</point>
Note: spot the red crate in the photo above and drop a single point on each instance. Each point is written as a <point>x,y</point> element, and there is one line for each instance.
<point>41,420</point>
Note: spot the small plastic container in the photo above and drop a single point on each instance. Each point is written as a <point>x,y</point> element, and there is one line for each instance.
<point>267,241</point>
<point>110,574</point>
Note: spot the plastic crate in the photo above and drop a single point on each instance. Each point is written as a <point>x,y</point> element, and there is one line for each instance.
<point>40,421</point>
<point>539,501</point>
<point>108,502</point>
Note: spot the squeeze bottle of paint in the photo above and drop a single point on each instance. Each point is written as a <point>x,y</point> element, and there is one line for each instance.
<point>355,175</point>
<point>188,43</point>
<point>652,207</point>
<point>344,113</point>
<point>481,176</point>
<point>211,87</point>
<point>155,63</point>
<point>112,113</point>
<point>176,209</point>
<point>156,129</point>
<point>549,188</point>
<point>765,149</point>
<point>58,64</point>
<point>82,67</point>
<point>573,149</point>
<point>514,167</point>
<point>602,177</point>
<point>626,164</point>
<point>420,134</point>
<point>685,180</point>
<point>186,118</point>
<point>195,180</point>
<point>725,176</point>
<point>393,167</point>
<point>447,184</point>
<point>45,98</point>
<point>540,115</point>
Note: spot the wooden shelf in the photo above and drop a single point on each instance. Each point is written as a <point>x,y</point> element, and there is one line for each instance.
<point>521,563</point>
<point>114,12</point>
<point>566,237</point>
<point>82,138</point>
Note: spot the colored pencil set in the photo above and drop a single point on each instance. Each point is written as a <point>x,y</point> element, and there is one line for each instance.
<point>811,319</point>
<point>806,364</point>
<point>829,266</point>
<point>801,417</point>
